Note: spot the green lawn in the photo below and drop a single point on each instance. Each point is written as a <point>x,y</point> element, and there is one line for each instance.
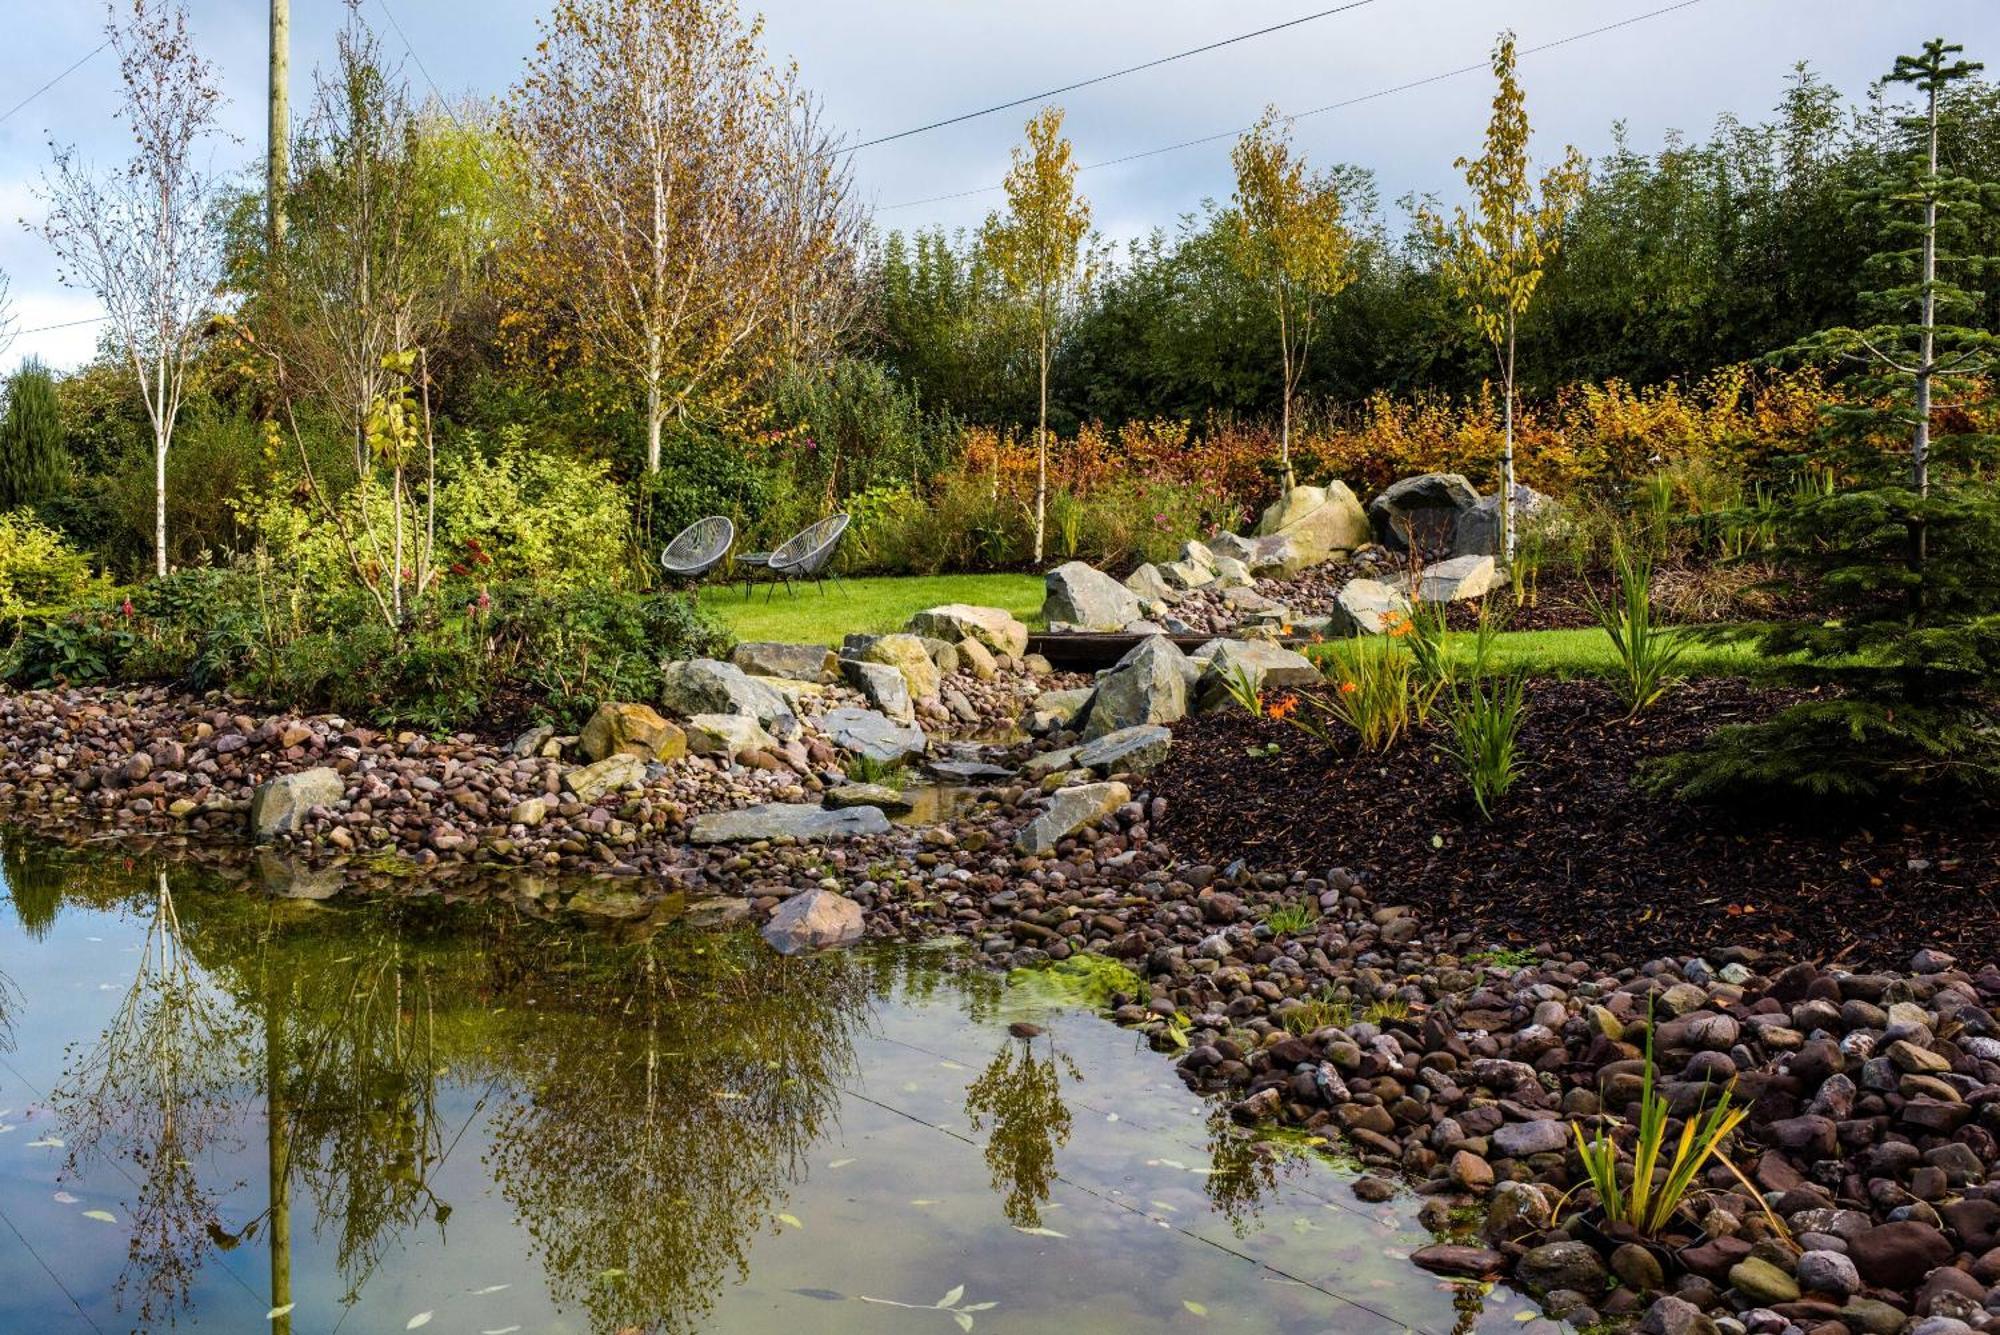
<point>1588,652</point>
<point>864,606</point>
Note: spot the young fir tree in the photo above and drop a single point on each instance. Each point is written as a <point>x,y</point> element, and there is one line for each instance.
<point>1896,545</point>
<point>34,464</point>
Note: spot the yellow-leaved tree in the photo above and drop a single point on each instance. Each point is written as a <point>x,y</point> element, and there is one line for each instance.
<point>1495,260</point>
<point>1292,241</point>
<point>1044,250</point>
<point>687,205</point>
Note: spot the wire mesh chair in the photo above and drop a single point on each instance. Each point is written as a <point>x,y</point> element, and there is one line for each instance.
<point>698,548</point>
<point>804,555</point>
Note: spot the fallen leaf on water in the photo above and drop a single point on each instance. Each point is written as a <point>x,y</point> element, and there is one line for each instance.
<point>840,1163</point>
<point>46,1142</point>
<point>277,1312</point>
<point>926,1202</point>
<point>490,1288</point>
<point>104,1215</point>
<point>420,1319</point>
<point>1039,1232</point>
<point>64,1198</point>
<point>500,1330</point>
<point>790,1219</point>
<point>1194,1307</point>
<point>615,1272</point>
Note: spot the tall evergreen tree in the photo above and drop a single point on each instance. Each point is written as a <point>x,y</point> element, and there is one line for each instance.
<point>34,463</point>
<point>1895,543</point>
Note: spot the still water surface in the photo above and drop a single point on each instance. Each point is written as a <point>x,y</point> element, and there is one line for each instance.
<point>222,1111</point>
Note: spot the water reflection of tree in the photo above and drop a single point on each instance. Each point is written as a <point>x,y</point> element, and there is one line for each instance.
<point>660,1127</point>
<point>35,875</point>
<point>1021,1095</point>
<point>161,1089</point>
<point>354,1086</point>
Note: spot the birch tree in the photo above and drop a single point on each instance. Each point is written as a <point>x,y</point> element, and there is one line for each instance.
<point>1291,241</point>
<point>140,237</point>
<point>683,191</point>
<point>1494,260</point>
<point>1042,248</point>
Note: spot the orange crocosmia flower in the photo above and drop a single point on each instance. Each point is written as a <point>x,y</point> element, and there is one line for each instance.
<point>1348,688</point>
<point>1283,708</point>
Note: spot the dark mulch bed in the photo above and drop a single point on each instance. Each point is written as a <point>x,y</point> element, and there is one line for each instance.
<point>1580,859</point>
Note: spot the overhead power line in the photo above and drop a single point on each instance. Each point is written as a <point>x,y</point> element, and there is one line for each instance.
<point>1439,77</point>
<point>74,66</point>
<point>1106,78</point>
<point>66,324</point>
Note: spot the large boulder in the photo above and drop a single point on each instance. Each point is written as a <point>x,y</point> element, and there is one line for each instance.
<point>882,686</point>
<point>1476,531</point>
<point>711,686</point>
<point>1426,508</point>
<point>1277,556</point>
<point>1321,521</point>
<point>1083,596</point>
<point>905,653</point>
<point>1267,666</point>
<point>1461,579</point>
<point>590,782</point>
<point>630,729</point>
<point>864,732</point>
<point>775,658</point>
<point>1368,607</point>
<point>281,805</point>
<point>974,657</point>
<point>1188,575</point>
<point>994,627</point>
<point>814,920</point>
<point>1070,810</point>
<point>730,736</point>
<point>1148,685</point>
<point>786,820</point>
<point>1151,585</point>
<point>1057,709</point>
<point>1127,751</point>
<point>1231,573</point>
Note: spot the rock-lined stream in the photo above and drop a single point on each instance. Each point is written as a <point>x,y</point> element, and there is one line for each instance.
<point>220,1111</point>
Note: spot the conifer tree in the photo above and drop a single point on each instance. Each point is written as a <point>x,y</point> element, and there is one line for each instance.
<point>34,464</point>
<point>1893,533</point>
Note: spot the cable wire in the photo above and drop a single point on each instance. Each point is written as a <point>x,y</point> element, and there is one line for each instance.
<point>1106,78</point>
<point>73,68</point>
<point>1440,77</point>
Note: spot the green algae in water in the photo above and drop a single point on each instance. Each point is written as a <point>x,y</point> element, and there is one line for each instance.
<point>1082,980</point>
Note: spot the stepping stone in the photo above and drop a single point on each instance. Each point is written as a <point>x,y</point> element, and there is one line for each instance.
<point>778,820</point>
<point>968,771</point>
<point>866,732</point>
<point>866,795</point>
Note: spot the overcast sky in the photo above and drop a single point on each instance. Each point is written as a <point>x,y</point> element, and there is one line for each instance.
<point>886,65</point>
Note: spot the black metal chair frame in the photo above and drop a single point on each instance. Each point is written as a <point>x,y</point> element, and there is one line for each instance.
<point>804,555</point>
<point>698,549</point>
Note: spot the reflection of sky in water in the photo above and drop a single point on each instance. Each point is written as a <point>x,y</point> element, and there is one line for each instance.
<point>488,1124</point>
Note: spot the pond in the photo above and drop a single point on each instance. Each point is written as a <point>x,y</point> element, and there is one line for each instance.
<point>225,1111</point>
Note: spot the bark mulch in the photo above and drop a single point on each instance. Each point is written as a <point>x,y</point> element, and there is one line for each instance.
<point>1581,859</point>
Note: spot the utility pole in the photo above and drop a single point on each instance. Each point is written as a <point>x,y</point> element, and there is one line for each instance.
<point>278,160</point>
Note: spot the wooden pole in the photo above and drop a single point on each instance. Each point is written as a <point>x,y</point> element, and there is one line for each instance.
<point>278,160</point>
